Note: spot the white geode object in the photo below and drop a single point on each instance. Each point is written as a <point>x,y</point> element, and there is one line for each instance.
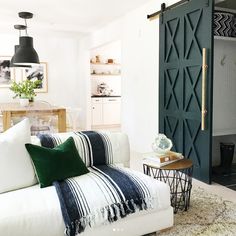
<point>162,144</point>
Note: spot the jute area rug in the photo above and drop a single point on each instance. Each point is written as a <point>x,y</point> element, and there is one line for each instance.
<point>208,215</point>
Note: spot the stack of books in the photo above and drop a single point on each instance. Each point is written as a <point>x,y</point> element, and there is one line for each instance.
<point>160,160</point>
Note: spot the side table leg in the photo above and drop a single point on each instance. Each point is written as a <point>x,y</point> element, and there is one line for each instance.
<point>146,170</point>
<point>189,173</point>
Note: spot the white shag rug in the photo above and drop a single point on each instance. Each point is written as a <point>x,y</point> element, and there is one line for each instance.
<point>208,215</point>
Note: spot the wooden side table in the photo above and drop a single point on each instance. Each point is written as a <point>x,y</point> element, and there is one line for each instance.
<point>178,176</point>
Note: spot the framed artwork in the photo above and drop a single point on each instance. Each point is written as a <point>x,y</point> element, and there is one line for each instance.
<point>6,73</point>
<point>38,72</point>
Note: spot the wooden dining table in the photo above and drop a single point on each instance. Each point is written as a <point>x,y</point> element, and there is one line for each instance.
<point>10,110</point>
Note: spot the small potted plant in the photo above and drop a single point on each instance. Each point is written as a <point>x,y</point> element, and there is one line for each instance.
<point>25,90</point>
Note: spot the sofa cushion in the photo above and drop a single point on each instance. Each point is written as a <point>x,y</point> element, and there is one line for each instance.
<point>16,170</point>
<point>56,163</point>
<point>115,144</point>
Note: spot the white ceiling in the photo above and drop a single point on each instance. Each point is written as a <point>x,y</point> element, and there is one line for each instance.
<point>71,16</point>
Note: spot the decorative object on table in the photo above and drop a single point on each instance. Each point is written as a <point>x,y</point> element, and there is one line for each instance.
<point>223,23</point>
<point>24,102</point>
<point>6,73</point>
<point>160,160</point>
<point>25,54</point>
<point>25,90</point>
<point>161,144</point>
<point>37,73</point>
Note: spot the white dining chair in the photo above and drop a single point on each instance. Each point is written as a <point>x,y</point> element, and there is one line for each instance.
<point>41,123</point>
<point>72,117</point>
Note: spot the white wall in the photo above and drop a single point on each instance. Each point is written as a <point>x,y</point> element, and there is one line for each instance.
<point>140,78</point>
<point>7,43</point>
<point>140,52</point>
<point>111,50</point>
<point>84,95</point>
<point>61,54</point>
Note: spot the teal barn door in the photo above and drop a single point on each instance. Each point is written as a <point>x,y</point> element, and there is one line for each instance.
<point>185,82</point>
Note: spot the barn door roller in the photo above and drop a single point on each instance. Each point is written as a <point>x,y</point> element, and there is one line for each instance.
<point>155,15</point>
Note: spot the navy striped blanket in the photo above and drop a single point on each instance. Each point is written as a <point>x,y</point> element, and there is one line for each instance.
<point>104,195</point>
<point>94,147</point>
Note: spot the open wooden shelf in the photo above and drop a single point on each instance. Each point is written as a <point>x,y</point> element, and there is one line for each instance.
<point>105,74</point>
<point>233,39</point>
<point>225,10</point>
<point>106,64</point>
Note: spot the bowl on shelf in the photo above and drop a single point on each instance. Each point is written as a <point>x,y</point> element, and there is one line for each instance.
<point>110,61</point>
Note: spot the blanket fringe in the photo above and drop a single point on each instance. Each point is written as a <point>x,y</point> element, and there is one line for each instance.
<point>111,213</point>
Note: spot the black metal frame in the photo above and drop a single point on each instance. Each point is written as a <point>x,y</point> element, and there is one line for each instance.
<point>164,8</point>
<point>180,182</point>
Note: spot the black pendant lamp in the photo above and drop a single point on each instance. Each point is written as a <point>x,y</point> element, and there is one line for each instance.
<point>18,27</point>
<point>25,54</point>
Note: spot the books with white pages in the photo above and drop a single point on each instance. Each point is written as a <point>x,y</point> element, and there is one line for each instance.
<point>160,160</point>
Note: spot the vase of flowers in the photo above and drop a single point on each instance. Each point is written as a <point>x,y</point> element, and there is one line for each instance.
<point>25,90</point>
<point>24,102</point>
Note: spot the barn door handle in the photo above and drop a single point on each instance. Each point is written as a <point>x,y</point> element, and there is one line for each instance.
<point>204,80</point>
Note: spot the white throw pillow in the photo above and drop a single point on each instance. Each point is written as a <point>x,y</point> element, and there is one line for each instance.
<point>16,170</point>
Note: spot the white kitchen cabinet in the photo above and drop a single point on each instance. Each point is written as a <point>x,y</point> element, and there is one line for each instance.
<point>111,111</point>
<point>97,111</point>
<point>106,111</point>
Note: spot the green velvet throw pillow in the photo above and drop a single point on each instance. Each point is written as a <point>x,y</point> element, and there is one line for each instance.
<point>56,163</point>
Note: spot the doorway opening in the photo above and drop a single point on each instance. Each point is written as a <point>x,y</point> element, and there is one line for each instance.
<point>105,76</point>
<point>224,95</point>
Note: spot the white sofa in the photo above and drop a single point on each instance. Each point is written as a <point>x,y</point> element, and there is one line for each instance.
<point>35,211</point>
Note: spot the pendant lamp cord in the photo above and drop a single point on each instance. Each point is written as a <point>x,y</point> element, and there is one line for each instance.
<point>26,28</point>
